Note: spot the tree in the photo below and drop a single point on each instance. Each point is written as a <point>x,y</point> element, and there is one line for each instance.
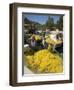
<point>59,24</point>
<point>50,23</point>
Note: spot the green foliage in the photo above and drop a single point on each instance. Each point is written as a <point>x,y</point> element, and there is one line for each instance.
<point>50,23</point>
<point>59,24</point>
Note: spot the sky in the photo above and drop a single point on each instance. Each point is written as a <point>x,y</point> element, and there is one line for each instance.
<point>41,18</point>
